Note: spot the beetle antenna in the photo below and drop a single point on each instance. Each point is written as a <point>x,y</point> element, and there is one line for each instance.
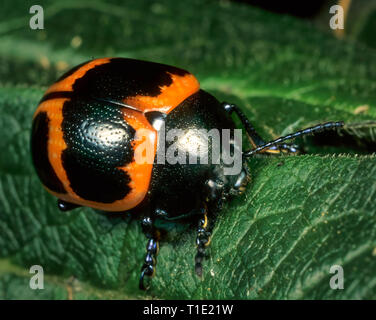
<point>318,128</point>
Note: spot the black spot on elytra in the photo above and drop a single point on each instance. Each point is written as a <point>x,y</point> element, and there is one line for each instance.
<point>122,78</point>
<point>98,142</point>
<point>39,152</point>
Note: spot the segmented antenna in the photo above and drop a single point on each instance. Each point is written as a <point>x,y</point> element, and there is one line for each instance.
<point>318,128</point>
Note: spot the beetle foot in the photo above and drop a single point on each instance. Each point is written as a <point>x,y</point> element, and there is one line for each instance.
<point>202,241</point>
<point>152,248</point>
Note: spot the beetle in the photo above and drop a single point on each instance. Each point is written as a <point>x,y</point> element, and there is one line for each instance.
<point>89,125</point>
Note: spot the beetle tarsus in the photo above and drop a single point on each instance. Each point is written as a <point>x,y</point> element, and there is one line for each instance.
<point>152,248</point>
<point>202,241</point>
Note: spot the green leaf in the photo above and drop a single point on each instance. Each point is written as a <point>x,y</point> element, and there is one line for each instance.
<point>299,215</point>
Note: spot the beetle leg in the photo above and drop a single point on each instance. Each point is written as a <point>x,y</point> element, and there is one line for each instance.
<point>202,241</point>
<point>253,137</point>
<point>66,206</point>
<point>152,247</point>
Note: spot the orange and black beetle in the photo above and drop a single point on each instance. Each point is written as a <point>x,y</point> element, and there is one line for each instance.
<point>88,126</point>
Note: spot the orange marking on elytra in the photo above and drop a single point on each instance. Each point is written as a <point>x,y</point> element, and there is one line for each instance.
<point>66,84</point>
<point>171,96</point>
